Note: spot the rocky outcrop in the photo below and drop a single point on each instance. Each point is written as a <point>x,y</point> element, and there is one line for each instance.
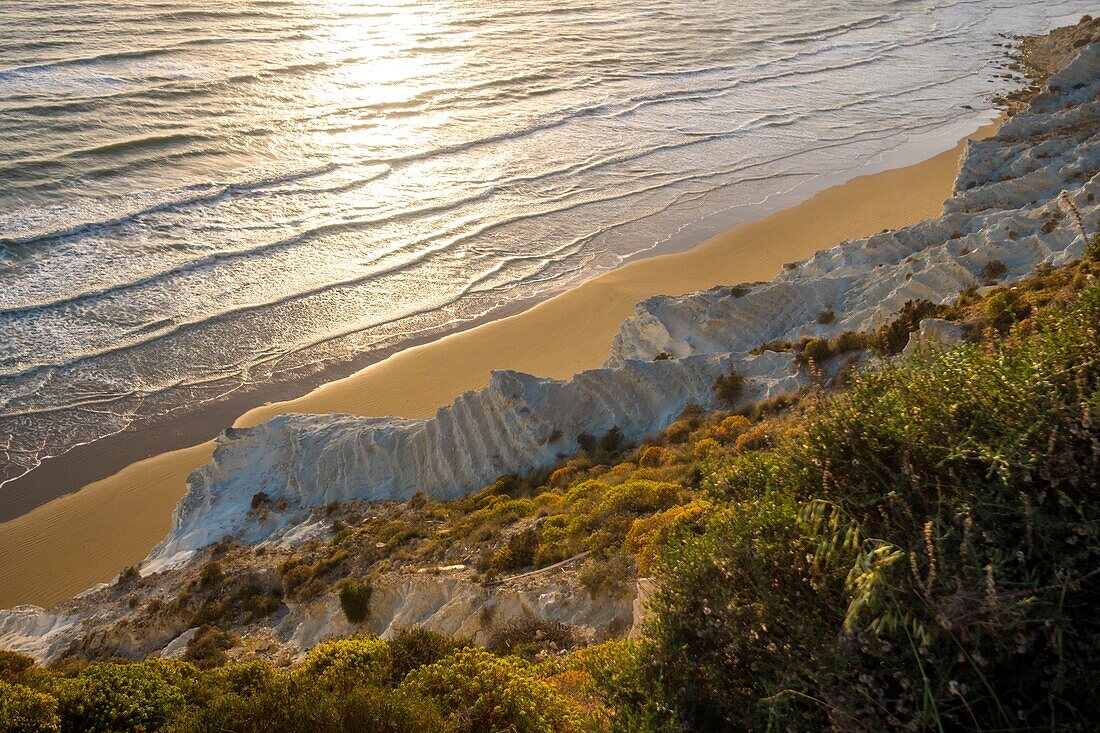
<point>933,331</point>
<point>467,610</point>
<point>449,600</point>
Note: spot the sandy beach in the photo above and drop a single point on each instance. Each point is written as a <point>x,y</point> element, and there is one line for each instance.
<point>74,542</point>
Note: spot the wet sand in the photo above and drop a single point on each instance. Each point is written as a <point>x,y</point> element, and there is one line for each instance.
<point>71,543</point>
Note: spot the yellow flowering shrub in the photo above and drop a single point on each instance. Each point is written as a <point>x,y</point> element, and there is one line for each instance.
<point>117,698</point>
<point>653,456</point>
<point>356,661</point>
<point>22,710</point>
<point>479,691</point>
<point>647,534</point>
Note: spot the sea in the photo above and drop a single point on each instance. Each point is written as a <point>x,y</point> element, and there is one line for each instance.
<point>202,199</point>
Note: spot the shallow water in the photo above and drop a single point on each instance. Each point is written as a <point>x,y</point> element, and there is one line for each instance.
<point>197,197</point>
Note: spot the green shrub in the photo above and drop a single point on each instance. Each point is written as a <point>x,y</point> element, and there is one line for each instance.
<point>355,600</point>
<point>993,270</point>
<point>729,388</point>
<point>516,554</point>
<point>117,698</point>
<point>893,336</point>
<point>243,678</point>
<point>13,665</point>
<point>413,648</point>
<point>741,614</point>
<point>207,648</point>
<point>1092,248</point>
<point>1004,308</point>
<point>210,574</point>
<point>359,660</point>
<point>916,553</point>
<point>612,576</point>
<point>285,705</point>
<point>815,350</point>
<point>211,613</point>
<point>479,691</point>
<point>620,683</point>
<point>23,710</point>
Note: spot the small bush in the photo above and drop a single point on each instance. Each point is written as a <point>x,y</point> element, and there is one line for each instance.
<point>612,441</point>
<point>479,691</point>
<point>612,576</point>
<point>210,574</point>
<point>1005,307</point>
<point>993,270</point>
<point>260,499</point>
<point>516,554</point>
<point>13,665</point>
<point>22,710</point>
<point>892,337</point>
<point>778,345</point>
<point>653,456</point>
<point>852,341</point>
<point>207,648</point>
<point>826,317</point>
<point>530,638</point>
<point>355,600</point>
<point>261,604</point>
<point>123,698</point>
<point>359,660</point>
<point>411,649</point>
<point>211,613</point>
<point>1092,248</point>
<point>816,351</point>
<point>729,388</point>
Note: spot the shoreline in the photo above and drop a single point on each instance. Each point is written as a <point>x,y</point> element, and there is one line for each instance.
<point>71,543</point>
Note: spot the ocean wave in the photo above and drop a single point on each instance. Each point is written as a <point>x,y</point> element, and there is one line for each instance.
<point>112,56</point>
<point>309,234</point>
<point>216,193</point>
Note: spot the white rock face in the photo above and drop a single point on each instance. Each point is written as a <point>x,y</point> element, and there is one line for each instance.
<point>1010,206</point>
<point>932,331</point>
<point>33,631</point>
<point>452,602</point>
<point>464,609</point>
